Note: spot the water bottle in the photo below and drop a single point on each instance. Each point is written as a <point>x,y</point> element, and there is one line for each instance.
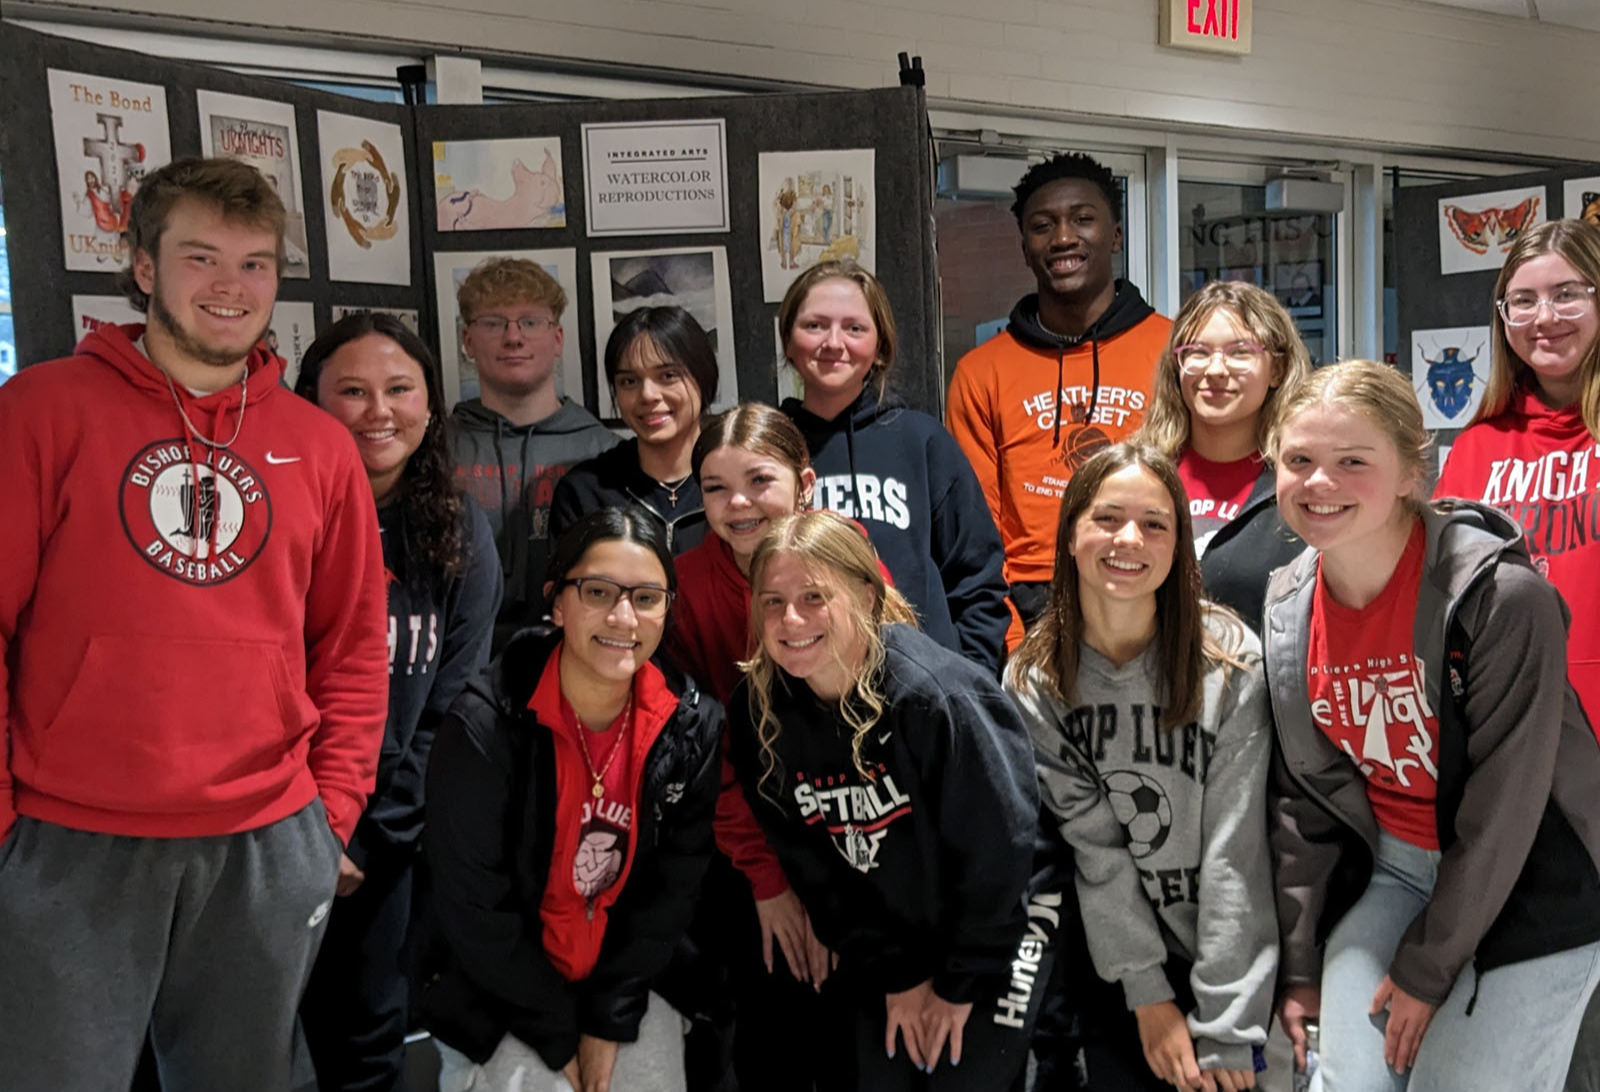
<point>1302,1077</point>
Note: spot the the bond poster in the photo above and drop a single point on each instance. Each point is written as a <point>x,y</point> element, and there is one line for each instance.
<point>262,134</point>
<point>109,133</point>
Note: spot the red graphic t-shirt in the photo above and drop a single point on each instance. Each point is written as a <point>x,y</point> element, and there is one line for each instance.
<point>607,821</point>
<point>1367,695</point>
<point>1217,491</point>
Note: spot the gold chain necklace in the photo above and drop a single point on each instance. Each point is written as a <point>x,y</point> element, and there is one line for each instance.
<point>599,788</point>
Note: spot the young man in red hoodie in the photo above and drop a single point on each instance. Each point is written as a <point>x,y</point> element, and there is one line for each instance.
<point>192,668</point>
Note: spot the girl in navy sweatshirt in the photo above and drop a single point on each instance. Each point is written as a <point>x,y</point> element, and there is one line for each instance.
<point>896,783</point>
<point>895,470</point>
<point>381,382</point>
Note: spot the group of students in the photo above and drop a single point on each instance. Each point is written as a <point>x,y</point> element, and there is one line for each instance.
<point>1150,701</point>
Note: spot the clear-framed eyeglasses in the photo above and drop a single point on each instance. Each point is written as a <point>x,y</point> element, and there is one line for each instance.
<point>496,325</point>
<point>1237,356</point>
<point>603,594</point>
<point>1569,301</point>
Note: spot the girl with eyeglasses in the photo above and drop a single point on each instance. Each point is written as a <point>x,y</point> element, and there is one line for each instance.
<point>1436,785</point>
<point>1531,451</point>
<point>662,369</point>
<point>1233,348</point>
<point>570,798</point>
<point>1152,736</point>
<point>896,783</point>
<point>382,383</point>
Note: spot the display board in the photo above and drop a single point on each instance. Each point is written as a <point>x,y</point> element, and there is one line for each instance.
<point>1450,242</point>
<point>107,114</point>
<point>714,203</point>
<point>657,173</point>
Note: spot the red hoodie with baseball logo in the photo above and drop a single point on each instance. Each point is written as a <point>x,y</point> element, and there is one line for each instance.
<point>192,636</point>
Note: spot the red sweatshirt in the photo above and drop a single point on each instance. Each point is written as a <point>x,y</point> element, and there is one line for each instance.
<point>1542,468</point>
<point>186,648</point>
<point>711,631</point>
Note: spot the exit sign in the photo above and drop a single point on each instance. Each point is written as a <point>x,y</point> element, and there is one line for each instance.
<point>1217,26</point>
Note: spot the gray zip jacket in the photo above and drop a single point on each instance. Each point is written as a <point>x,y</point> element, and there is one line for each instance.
<point>1519,771</point>
<point>1169,832</point>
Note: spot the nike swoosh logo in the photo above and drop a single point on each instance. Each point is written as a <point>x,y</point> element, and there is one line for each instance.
<point>884,738</point>
<point>279,462</point>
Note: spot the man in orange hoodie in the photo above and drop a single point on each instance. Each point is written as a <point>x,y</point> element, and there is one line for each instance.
<point>193,668</point>
<point>1071,373</point>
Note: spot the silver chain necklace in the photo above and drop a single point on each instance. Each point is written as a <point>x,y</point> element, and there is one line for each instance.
<point>216,445</point>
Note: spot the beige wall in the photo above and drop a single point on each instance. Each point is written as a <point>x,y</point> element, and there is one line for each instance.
<point>1373,72</point>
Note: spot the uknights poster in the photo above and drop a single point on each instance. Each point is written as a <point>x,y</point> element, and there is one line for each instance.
<point>262,134</point>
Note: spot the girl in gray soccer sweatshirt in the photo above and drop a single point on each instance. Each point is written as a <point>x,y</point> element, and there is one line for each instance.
<point>1153,760</point>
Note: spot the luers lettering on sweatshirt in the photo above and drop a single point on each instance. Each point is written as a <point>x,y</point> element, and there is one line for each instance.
<point>901,476</point>
<point>192,640</point>
<point>1169,831</point>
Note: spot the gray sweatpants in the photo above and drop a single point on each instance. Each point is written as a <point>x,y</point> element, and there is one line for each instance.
<point>1584,1076</point>
<point>204,942</point>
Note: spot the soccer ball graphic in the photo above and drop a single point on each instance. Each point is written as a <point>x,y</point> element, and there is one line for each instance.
<point>1141,806</point>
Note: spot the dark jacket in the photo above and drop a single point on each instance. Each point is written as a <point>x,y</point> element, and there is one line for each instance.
<point>905,479</point>
<point>491,819</point>
<point>1518,802</point>
<point>440,630</point>
<point>1242,554</point>
<point>919,872</point>
<point>511,471</point>
<point>614,479</point>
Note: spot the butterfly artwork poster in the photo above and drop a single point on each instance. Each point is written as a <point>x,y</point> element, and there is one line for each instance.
<point>1477,230</point>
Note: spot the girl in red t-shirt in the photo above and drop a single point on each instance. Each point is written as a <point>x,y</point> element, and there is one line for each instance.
<point>1533,451</point>
<point>1233,348</point>
<point>1435,829</point>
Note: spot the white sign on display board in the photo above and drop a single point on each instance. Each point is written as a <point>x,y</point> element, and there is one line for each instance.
<point>656,177</point>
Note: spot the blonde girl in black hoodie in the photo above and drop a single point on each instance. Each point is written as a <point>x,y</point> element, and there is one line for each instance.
<point>896,783</point>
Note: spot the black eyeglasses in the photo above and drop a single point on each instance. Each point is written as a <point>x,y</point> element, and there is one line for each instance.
<point>496,325</point>
<point>601,593</point>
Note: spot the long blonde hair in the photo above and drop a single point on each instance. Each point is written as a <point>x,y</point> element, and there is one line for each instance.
<point>1578,242</point>
<point>1184,644</point>
<point>835,551</point>
<point>1262,317</point>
